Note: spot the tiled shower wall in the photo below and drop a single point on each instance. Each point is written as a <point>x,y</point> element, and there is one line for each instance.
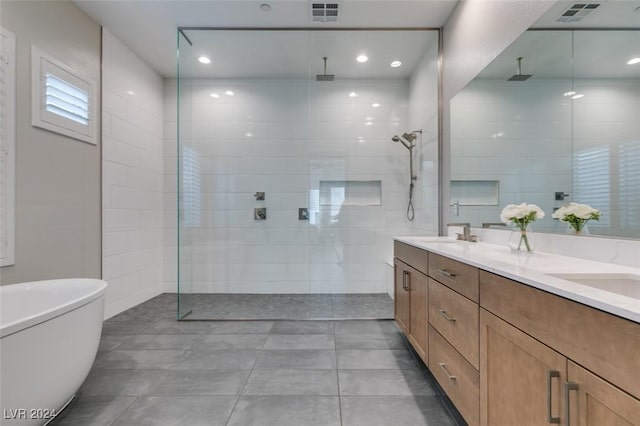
<point>132,177</point>
<point>283,137</point>
<point>525,135</point>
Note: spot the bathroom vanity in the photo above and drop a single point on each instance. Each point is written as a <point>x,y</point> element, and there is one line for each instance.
<point>522,339</point>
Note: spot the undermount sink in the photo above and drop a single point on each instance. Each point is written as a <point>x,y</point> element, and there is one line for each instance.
<point>623,284</point>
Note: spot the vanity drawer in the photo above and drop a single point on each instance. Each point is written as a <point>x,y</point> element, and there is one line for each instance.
<point>458,378</point>
<point>412,256</point>
<point>603,343</point>
<point>459,276</point>
<point>457,319</point>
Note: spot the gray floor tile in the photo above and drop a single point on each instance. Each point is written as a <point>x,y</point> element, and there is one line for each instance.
<point>167,326</point>
<point>374,359</point>
<point>93,411</point>
<point>292,382</point>
<point>383,382</point>
<point>237,327</point>
<point>227,359</point>
<point>299,359</point>
<point>129,327</point>
<point>370,341</point>
<point>178,411</point>
<point>299,341</point>
<point>302,327</point>
<point>112,341</point>
<point>160,341</point>
<point>145,359</point>
<point>393,410</point>
<point>230,341</point>
<point>119,382</point>
<point>286,411</point>
<point>366,327</point>
<point>200,382</point>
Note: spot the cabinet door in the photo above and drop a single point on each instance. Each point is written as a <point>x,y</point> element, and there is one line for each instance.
<point>417,283</point>
<point>520,378</point>
<point>401,295</point>
<point>598,403</point>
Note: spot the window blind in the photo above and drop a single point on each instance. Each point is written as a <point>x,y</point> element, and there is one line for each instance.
<point>629,182</point>
<point>66,100</point>
<point>591,181</point>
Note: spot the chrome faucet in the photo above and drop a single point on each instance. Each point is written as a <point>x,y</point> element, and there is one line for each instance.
<point>466,232</point>
<point>488,225</point>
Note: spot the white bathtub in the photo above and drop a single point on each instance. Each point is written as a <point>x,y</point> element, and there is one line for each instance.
<point>49,336</point>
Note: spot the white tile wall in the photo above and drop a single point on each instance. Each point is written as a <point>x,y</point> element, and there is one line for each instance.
<point>524,135</point>
<point>284,137</point>
<point>132,177</point>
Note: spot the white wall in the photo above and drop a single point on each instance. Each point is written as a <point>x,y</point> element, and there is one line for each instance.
<point>301,133</point>
<point>132,173</point>
<point>57,177</point>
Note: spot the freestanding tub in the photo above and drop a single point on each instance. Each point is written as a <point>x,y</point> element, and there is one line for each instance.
<point>49,336</point>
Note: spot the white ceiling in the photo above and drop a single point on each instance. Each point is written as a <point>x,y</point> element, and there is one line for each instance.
<point>610,14</point>
<point>582,54</point>
<point>148,27</point>
<point>298,54</point>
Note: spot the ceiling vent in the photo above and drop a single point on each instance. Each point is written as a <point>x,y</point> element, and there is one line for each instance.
<point>578,11</point>
<point>325,12</point>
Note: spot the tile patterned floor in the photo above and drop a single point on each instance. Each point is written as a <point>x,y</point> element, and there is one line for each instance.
<point>153,370</point>
<point>290,306</point>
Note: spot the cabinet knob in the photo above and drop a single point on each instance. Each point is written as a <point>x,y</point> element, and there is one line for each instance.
<point>444,368</point>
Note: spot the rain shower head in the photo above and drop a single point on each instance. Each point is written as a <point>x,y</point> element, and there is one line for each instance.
<point>518,76</point>
<point>325,76</point>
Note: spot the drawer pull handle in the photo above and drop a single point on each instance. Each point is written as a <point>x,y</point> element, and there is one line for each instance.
<point>444,368</point>
<point>550,375</point>
<point>446,316</point>
<point>568,387</point>
<point>447,273</point>
<point>406,280</point>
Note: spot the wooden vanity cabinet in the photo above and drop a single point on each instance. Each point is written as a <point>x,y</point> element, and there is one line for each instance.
<point>520,378</point>
<point>411,296</point>
<point>507,353</point>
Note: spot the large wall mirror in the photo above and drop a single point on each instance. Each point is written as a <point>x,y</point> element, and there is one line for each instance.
<point>564,128</point>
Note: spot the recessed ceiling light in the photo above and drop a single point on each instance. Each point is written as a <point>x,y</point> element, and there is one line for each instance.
<point>130,92</point>
<point>577,96</point>
<point>265,7</point>
<point>375,105</point>
<point>395,64</point>
<point>362,58</point>
<point>229,93</point>
<point>353,95</point>
<point>248,134</point>
<point>204,60</point>
<point>570,93</point>
<point>633,61</point>
<point>368,123</point>
<point>369,119</point>
<point>214,95</point>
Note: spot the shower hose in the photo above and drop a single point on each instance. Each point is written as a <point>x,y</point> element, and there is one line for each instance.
<point>410,210</point>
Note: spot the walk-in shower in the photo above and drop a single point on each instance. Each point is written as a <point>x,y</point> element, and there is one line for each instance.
<point>262,119</point>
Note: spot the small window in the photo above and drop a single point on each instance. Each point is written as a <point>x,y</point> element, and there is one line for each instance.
<point>63,102</point>
<point>7,147</point>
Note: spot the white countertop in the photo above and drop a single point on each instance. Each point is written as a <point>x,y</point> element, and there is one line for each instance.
<point>532,269</point>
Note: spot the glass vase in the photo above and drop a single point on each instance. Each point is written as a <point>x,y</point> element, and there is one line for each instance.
<point>584,229</point>
<point>522,240</point>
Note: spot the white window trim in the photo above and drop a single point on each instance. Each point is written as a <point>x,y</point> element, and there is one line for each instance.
<point>40,64</point>
<point>10,116</point>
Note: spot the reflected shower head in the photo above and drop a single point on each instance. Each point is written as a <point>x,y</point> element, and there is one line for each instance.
<point>325,76</point>
<point>518,76</point>
<point>410,136</point>
<point>407,143</point>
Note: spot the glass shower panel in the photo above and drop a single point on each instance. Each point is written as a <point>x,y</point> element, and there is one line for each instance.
<point>187,177</point>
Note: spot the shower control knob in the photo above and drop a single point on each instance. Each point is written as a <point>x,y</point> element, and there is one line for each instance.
<point>259,196</point>
<point>260,213</point>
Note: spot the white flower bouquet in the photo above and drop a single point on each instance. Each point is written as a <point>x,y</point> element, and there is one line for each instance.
<point>576,215</point>
<point>521,215</point>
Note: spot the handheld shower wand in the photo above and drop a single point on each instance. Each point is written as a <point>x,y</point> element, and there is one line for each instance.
<point>407,139</point>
